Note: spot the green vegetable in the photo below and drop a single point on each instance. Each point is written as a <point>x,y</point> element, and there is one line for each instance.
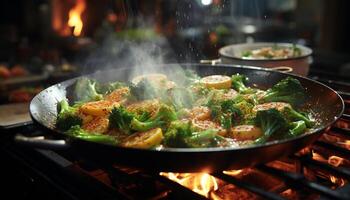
<point>66,116</point>
<point>271,122</point>
<point>176,134</point>
<point>144,90</point>
<point>128,122</point>
<point>247,53</point>
<point>85,90</point>
<point>78,132</point>
<point>181,98</point>
<point>165,115</point>
<point>106,88</point>
<point>225,112</point>
<point>179,134</point>
<point>296,51</point>
<point>293,115</point>
<point>238,83</point>
<point>297,128</point>
<point>120,118</point>
<point>287,90</point>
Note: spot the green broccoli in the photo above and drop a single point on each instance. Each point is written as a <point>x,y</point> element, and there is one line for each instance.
<point>165,115</point>
<point>181,98</point>
<point>176,133</point>
<point>225,112</point>
<point>238,83</point>
<point>129,122</point>
<point>191,76</point>
<point>120,118</point>
<point>294,115</point>
<point>66,116</point>
<point>297,128</point>
<point>144,90</point>
<point>106,88</point>
<point>271,122</point>
<point>179,134</point>
<point>203,139</point>
<point>287,90</point>
<point>85,90</point>
<point>78,132</point>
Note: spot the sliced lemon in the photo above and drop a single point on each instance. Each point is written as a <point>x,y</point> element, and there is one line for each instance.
<point>144,140</point>
<point>217,81</point>
<point>245,132</point>
<point>98,108</point>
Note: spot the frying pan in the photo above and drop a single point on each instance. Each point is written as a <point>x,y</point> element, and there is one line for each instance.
<point>322,100</point>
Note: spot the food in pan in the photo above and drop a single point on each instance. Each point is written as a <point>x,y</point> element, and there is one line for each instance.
<point>272,52</point>
<point>152,111</point>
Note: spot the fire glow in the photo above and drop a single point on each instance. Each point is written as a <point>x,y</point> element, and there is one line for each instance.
<point>75,17</point>
<point>201,183</point>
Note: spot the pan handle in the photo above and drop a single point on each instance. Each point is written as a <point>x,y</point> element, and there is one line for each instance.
<point>282,69</point>
<point>212,62</point>
<point>41,142</point>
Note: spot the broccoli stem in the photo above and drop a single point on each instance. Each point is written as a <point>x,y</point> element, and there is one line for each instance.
<point>106,139</point>
<point>298,128</point>
<point>144,126</point>
<point>294,115</point>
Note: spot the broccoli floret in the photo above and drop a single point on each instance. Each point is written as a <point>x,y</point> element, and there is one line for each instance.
<point>271,122</point>
<point>287,90</point>
<point>85,90</point>
<point>225,112</point>
<point>180,98</point>
<point>176,133</point>
<point>294,115</point>
<point>106,88</point>
<point>144,90</point>
<point>297,128</point>
<point>128,122</point>
<point>203,139</point>
<point>191,76</point>
<point>179,134</point>
<point>120,118</point>
<point>165,115</point>
<point>78,132</point>
<point>238,83</point>
<point>66,116</point>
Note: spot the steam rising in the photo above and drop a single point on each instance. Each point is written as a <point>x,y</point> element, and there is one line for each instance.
<point>143,57</point>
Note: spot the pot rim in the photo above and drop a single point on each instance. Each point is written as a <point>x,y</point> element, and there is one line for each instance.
<point>223,51</point>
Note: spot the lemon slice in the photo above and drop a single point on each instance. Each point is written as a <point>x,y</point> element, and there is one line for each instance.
<point>246,132</point>
<point>98,108</point>
<point>144,140</point>
<point>217,81</point>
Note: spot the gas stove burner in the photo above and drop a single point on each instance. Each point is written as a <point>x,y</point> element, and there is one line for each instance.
<point>320,171</point>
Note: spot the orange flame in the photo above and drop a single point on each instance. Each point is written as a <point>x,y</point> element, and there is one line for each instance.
<point>338,181</point>
<point>335,161</point>
<point>318,157</point>
<point>233,172</point>
<point>201,183</point>
<point>75,17</point>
